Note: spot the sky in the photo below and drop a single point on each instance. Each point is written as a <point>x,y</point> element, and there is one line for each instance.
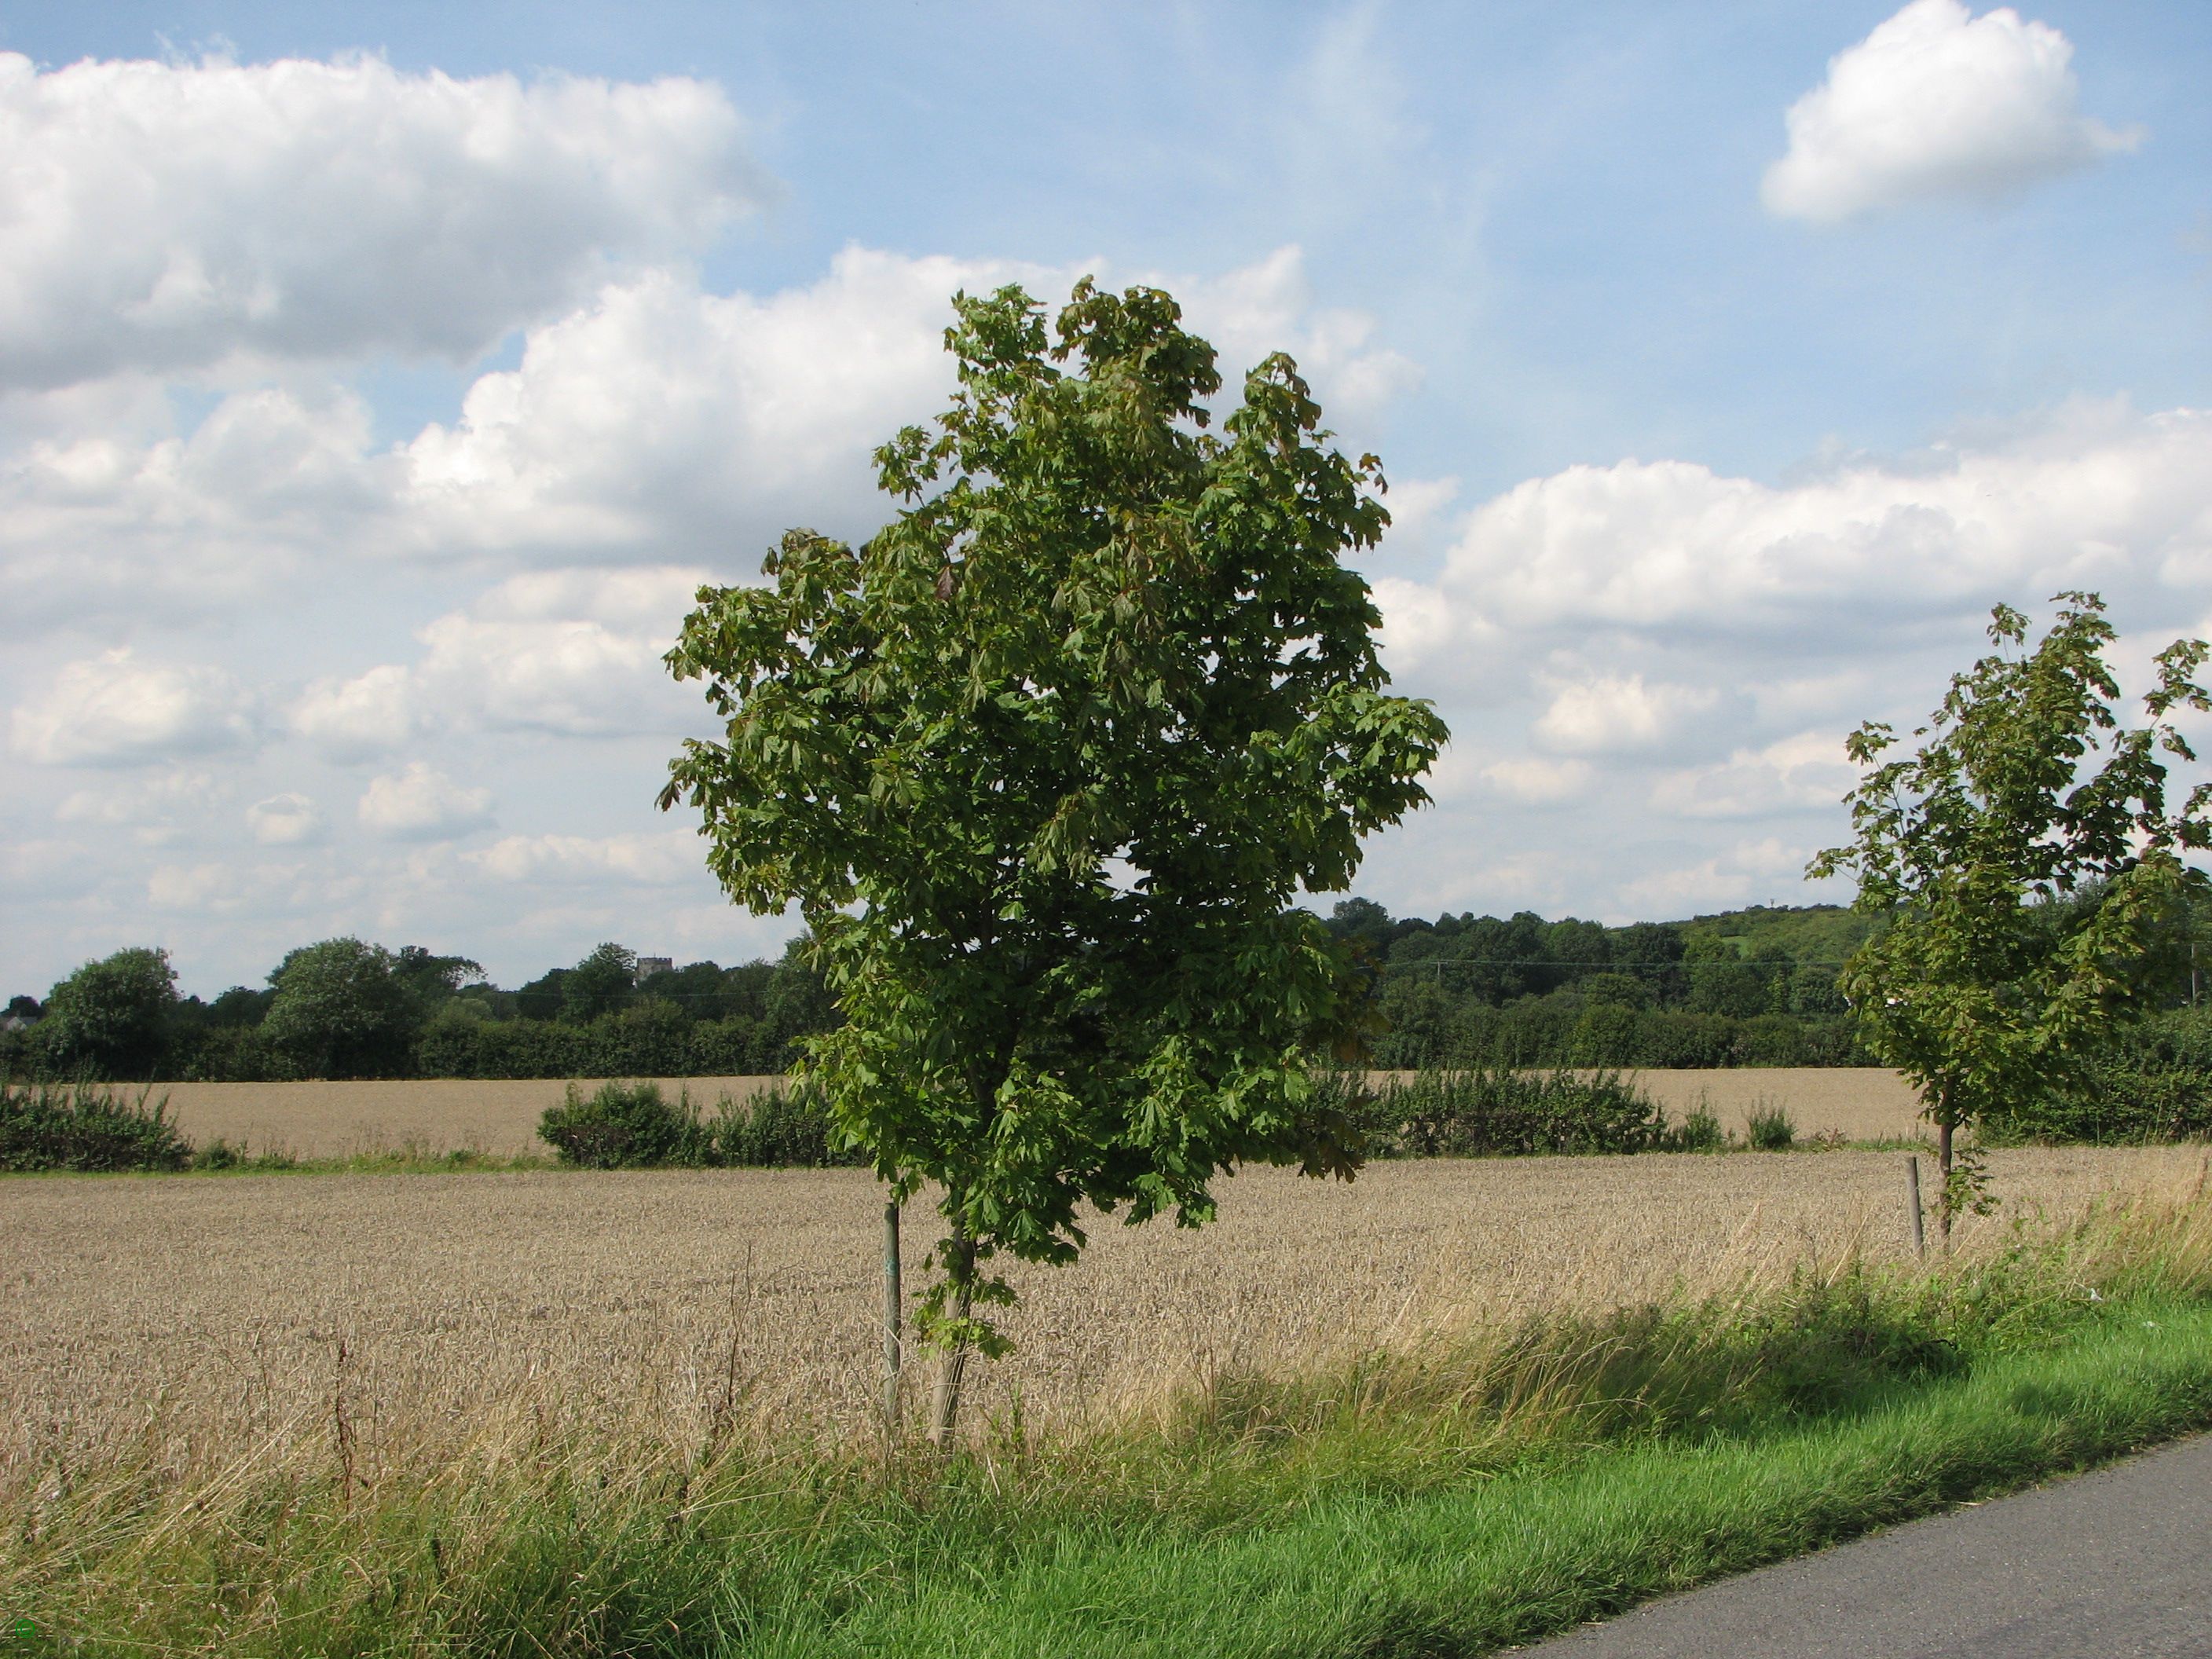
<point>378,383</point>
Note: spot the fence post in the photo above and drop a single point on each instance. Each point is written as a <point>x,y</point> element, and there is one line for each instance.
<point>1919,1226</point>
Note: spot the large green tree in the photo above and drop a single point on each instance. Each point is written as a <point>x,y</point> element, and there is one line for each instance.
<point>342,1009</point>
<point>2022,866</point>
<point>111,1017</point>
<point>1044,762</point>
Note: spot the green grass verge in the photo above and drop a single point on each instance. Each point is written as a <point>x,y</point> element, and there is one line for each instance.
<point>1468,1571</point>
<point>1443,1501</point>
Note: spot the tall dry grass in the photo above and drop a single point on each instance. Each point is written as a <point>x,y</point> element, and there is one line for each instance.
<point>184,1326</point>
<point>529,1414</point>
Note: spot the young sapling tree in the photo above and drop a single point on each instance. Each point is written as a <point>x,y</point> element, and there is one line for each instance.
<point>1043,763</point>
<point>2022,866</point>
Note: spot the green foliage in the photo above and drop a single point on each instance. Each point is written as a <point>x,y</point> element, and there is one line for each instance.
<point>1770,1128</point>
<point>1045,760</point>
<point>2023,861</point>
<point>1699,1131</point>
<point>110,1018</point>
<point>2124,1105</point>
<point>46,1126</point>
<point>780,1128</point>
<point>623,1126</point>
<point>603,983</point>
<point>1491,1113</point>
<point>342,1009</point>
<point>632,1126</point>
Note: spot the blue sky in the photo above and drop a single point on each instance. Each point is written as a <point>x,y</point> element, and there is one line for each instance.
<point>374,381</point>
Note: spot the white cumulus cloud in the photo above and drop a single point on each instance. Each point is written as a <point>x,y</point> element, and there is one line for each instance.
<point>2092,494</point>
<point>1612,713</point>
<point>422,804</point>
<point>166,216</point>
<point>666,859</point>
<point>373,712</point>
<point>115,710</point>
<point>1536,782</point>
<point>1936,103</point>
<point>1807,769</point>
<point>286,820</point>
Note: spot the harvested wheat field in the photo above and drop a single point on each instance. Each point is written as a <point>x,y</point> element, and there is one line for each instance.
<point>1861,1102</point>
<point>192,1321</point>
<point>436,1115</point>
<point>428,1115</point>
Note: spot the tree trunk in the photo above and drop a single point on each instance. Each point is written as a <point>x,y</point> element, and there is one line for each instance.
<point>893,1301</point>
<point>947,1404</point>
<point>1943,1164</point>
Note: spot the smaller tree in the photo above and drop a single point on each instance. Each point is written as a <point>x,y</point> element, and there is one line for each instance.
<point>341,1009</point>
<point>2023,884</point>
<point>111,1017</point>
<point>602,983</point>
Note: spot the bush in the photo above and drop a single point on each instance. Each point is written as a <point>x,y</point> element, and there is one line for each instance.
<point>2127,1106</point>
<point>1699,1132</point>
<point>625,1126</point>
<point>779,1128</point>
<point>1488,1113</point>
<point>1772,1129</point>
<point>44,1127</point>
<point>632,1126</point>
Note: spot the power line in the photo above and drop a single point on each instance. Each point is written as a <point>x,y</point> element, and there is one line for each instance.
<point>1589,967</point>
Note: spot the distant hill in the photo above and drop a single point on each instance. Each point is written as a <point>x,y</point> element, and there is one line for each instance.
<point>1809,933</point>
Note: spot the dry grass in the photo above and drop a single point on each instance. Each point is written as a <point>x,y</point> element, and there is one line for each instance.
<point>190,1322</point>
<point>436,1115</point>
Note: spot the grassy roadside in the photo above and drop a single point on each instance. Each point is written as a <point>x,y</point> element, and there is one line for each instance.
<point>1469,1571</point>
<point>1436,1500</point>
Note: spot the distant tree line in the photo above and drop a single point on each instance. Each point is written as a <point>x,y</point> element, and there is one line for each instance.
<point>1747,988</point>
<point>346,1008</point>
<point>1754,987</point>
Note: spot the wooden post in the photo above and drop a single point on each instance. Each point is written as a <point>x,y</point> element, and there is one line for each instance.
<point>1919,1227</point>
<point>893,1309</point>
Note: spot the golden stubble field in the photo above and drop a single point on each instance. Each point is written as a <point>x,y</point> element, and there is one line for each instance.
<point>199,1321</point>
<point>334,1119</point>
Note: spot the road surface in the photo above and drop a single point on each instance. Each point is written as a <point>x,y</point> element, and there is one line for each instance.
<point>2112,1564</point>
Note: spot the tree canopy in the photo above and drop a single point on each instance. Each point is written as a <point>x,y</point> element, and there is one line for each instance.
<point>109,1017</point>
<point>1043,763</point>
<point>342,1008</point>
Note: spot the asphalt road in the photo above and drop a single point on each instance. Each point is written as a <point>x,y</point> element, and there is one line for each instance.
<point>2112,1564</point>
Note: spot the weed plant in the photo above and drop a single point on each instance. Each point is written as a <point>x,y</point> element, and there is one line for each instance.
<point>1770,1128</point>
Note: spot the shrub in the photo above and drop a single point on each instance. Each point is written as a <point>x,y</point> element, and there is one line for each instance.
<point>1498,1113</point>
<point>625,1126</point>
<point>220,1154</point>
<point>778,1129</point>
<point>44,1128</point>
<point>1771,1128</point>
<point>2125,1106</point>
<point>1698,1131</point>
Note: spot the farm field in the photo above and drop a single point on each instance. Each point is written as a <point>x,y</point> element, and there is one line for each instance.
<point>194,1321</point>
<point>334,1119</point>
<point>435,1114</point>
